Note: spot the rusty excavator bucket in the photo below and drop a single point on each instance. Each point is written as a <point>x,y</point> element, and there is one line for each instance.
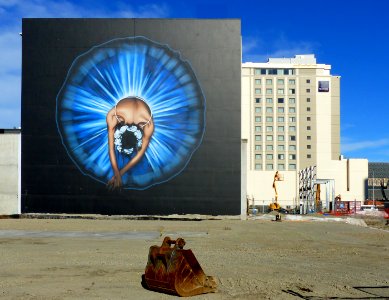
<point>172,270</point>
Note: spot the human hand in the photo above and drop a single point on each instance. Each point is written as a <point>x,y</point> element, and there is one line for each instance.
<point>115,182</point>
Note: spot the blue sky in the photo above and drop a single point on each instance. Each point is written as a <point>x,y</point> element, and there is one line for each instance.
<point>353,37</point>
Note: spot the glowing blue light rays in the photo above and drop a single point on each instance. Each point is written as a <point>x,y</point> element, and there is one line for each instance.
<point>121,68</point>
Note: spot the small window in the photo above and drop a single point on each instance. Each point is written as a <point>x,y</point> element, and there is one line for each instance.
<point>269,128</point>
<point>269,91</point>
<point>292,156</point>
<point>308,109</point>
<point>269,147</point>
<point>308,127</point>
<point>281,147</point>
<point>269,119</point>
<point>308,137</point>
<point>292,119</point>
<point>257,100</point>
<point>281,156</point>
<point>280,81</point>
<point>263,71</point>
<point>257,81</point>
<point>258,128</point>
<point>280,128</point>
<point>258,166</point>
<point>257,71</point>
<point>269,109</point>
<point>292,147</point>
<point>308,81</point>
<point>292,128</point>
<point>258,109</point>
<point>308,90</point>
<point>269,138</point>
<point>308,99</point>
<point>257,119</point>
<point>269,156</point>
<point>292,109</point>
<point>280,100</point>
<point>258,138</point>
<point>309,146</point>
<point>269,100</point>
<point>292,81</point>
<point>292,91</point>
<point>258,156</point>
<point>309,156</point>
<point>292,100</point>
<point>258,147</point>
<point>292,138</point>
<point>280,91</point>
<point>308,118</point>
<point>280,138</point>
<point>269,166</point>
<point>269,81</point>
<point>292,166</point>
<point>280,109</point>
<point>281,167</point>
<point>257,91</point>
<point>281,119</point>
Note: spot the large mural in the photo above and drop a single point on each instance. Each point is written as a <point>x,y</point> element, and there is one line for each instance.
<point>131,113</point>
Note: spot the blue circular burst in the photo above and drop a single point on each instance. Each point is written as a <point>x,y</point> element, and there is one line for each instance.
<point>131,67</point>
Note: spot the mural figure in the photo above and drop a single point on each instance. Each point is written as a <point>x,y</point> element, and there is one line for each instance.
<point>131,113</point>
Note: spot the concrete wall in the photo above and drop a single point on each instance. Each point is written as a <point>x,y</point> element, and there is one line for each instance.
<point>9,173</point>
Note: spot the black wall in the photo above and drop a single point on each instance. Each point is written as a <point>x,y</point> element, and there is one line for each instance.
<point>210,184</point>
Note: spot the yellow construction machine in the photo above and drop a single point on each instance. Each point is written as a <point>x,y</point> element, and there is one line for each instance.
<point>275,205</point>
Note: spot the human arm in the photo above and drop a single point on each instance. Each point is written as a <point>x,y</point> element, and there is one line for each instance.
<point>116,180</point>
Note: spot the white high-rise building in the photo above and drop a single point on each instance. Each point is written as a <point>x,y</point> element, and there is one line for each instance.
<point>291,122</point>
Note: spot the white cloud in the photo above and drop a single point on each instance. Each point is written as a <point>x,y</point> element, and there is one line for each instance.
<point>363,145</point>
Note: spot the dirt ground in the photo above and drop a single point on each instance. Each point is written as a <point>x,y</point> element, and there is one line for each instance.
<point>253,259</point>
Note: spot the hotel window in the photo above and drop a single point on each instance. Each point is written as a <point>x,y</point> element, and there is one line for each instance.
<point>292,109</point>
<point>269,138</point>
<point>258,156</point>
<point>258,138</point>
<point>280,100</point>
<point>292,147</point>
<point>269,81</point>
<point>257,100</point>
<point>308,81</point>
<point>269,166</point>
<point>308,118</point>
<point>272,71</point>
<point>280,91</point>
<point>269,91</point>
<point>292,128</point>
<point>263,71</point>
<point>257,91</point>
<point>280,71</point>
<point>308,109</point>
<point>308,127</point>
<point>308,146</point>
<point>257,71</point>
<point>258,109</point>
<point>281,119</point>
<point>308,99</point>
<point>281,147</point>
<point>269,100</point>
<point>269,156</point>
<point>258,119</point>
<point>292,166</point>
<point>280,109</point>
<point>308,90</point>
<point>269,147</point>
<point>269,119</point>
<point>292,81</point>
<point>258,147</point>
<point>280,81</point>
<point>280,138</point>
<point>280,128</point>
<point>292,138</point>
<point>292,100</point>
<point>257,81</point>
<point>281,156</point>
<point>292,156</point>
<point>308,137</point>
<point>292,119</point>
<point>269,128</point>
<point>292,91</point>
<point>258,128</point>
<point>269,109</point>
<point>258,166</point>
<point>309,156</point>
<point>281,167</point>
